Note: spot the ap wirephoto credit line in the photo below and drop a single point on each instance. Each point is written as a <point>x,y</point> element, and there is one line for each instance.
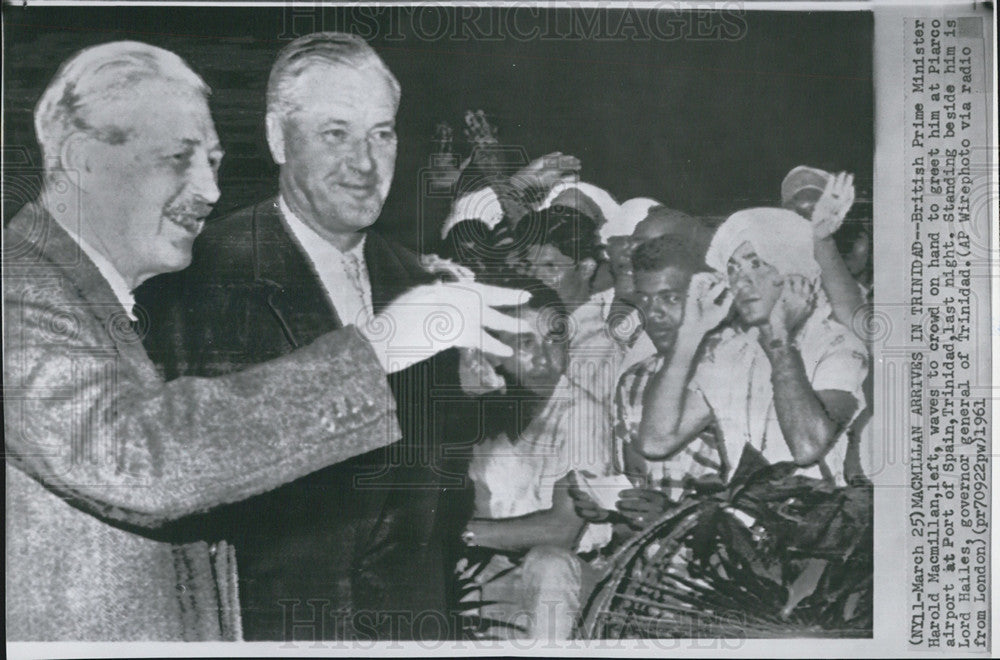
<point>567,328</point>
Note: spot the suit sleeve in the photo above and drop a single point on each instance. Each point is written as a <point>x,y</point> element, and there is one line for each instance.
<point>93,422</point>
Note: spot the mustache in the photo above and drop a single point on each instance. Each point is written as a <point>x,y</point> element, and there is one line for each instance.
<point>189,209</point>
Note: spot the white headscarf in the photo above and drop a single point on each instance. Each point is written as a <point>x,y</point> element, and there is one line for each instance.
<point>600,197</point>
<point>780,237</point>
<point>630,214</point>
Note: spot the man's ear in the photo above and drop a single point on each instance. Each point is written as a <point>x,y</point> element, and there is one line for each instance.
<point>275,137</point>
<point>74,155</point>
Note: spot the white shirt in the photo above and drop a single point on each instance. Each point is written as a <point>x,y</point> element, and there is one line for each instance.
<point>122,291</point>
<point>734,377</point>
<point>352,300</point>
<point>516,477</point>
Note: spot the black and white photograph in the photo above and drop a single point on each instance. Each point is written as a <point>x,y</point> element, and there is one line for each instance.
<point>506,326</point>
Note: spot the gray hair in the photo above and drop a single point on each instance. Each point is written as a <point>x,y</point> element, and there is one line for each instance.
<point>338,48</point>
<point>93,77</point>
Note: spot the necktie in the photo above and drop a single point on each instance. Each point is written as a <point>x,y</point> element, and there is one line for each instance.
<point>352,268</point>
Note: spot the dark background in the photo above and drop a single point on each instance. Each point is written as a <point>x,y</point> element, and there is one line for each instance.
<point>708,120</point>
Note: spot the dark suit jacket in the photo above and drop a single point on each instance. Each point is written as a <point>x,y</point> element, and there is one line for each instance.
<point>365,538</point>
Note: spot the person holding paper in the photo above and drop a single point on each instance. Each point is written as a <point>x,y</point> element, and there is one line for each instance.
<point>662,272</point>
<point>521,476</point>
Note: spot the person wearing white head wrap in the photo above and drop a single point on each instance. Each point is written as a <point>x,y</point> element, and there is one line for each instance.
<point>622,317</point>
<point>584,197</point>
<point>779,237</point>
<point>785,379</point>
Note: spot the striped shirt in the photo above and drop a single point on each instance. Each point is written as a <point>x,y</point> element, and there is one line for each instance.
<point>698,459</point>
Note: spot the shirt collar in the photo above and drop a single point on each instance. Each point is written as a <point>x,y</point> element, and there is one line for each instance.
<point>309,239</point>
<point>108,271</point>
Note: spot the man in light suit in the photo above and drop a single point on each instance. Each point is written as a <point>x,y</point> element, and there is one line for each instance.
<point>101,453</point>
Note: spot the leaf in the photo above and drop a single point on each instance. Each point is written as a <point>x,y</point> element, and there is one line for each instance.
<point>702,538</point>
<point>751,461</point>
<point>804,585</point>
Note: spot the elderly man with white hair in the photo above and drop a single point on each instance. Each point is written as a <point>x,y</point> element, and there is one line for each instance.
<point>785,380</point>
<point>102,454</point>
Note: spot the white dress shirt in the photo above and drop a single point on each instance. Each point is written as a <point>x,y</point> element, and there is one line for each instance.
<point>349,293</point>
<point>122,291</point>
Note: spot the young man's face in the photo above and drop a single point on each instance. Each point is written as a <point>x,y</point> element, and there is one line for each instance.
<point>539,359</point>
<point>661,295</point>
<point>560,272</point>
<point>756,285</point>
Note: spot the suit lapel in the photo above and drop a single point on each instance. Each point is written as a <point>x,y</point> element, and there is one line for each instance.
<point>294,292</point>
<point>38,240</point>
<point>292,289</point>
<point>391,270</point>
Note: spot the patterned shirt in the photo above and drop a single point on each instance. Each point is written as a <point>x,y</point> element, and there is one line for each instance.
<point>698,459</point>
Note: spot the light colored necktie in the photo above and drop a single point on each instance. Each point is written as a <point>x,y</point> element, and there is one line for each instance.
<point>352,268</point>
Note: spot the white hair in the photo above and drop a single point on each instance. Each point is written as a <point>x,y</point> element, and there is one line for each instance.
<point>330,48</point>
<point>98,75</point>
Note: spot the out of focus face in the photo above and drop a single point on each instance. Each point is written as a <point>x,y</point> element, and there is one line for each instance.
<point>555,269</point>
<point>620,259</point>
<point>804,201</point>
<point>858,257</point>
<point>339,147</point>
<point>149,191</point>
<point>539,357</point>
<point>756,285</point>
<point>661,295</point>
<point>657,226</point>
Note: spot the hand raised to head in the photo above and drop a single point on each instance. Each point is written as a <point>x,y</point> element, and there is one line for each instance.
<point>707,304</point>
<point>797,301</point>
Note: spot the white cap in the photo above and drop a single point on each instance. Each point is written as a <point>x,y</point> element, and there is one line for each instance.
<point>600,197</point>
<point>630,214</point>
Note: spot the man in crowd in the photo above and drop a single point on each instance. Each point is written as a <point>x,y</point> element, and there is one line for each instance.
<point>360,549</point>
<point>786,380</point>
<point>101,453</point>
<point>663,268</point>
<point>824,199</point>
<point>532,587</point>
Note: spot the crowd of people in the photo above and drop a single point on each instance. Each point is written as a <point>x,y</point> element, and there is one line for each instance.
<point>296,428</point>
<point>673,343</point>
